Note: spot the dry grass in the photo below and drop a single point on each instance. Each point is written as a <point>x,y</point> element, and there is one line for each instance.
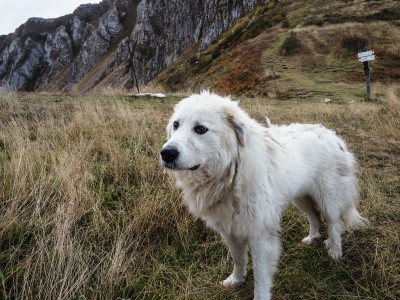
<point>72,188</point>
<point>87,212</point>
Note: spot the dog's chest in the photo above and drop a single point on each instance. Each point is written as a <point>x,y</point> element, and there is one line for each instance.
<point>223,216</point>
<point>213,205</point>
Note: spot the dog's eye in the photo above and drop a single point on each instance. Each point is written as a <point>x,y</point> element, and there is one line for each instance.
<point>176,125</point>
<point>200,129</point>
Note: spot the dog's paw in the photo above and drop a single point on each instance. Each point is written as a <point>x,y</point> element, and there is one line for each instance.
<point>334,250</point>
<point>232,281</point>
<point>311,239</point>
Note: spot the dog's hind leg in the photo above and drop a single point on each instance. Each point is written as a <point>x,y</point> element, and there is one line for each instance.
<point>337,201</point>
<point>331,211</point>
<point>334,242</point>
<point>238,249</point>
<point>307,205</point>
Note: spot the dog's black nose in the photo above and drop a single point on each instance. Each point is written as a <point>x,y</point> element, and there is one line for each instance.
<point>169,154</point>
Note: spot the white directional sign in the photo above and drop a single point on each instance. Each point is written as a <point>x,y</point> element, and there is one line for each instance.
<point>366,56</point>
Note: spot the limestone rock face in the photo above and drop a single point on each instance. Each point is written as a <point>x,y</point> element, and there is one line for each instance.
<point>24,58</point>
<point>96,45</point>
<point>58,53</point>
<point>111,43</point>
<point>164,29</point>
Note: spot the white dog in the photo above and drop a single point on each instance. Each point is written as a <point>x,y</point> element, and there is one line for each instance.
<point>239,176</point>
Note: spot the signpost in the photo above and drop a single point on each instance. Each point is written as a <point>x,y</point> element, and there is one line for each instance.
<point>365,57</point>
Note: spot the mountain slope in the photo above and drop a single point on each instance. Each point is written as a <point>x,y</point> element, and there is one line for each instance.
<point>278,49</point>
<point>294,49</point>
<point>114,43</point>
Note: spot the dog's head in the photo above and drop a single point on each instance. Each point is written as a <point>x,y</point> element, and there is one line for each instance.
<point>204,132</point>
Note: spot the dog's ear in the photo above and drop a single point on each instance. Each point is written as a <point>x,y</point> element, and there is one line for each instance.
<point>237,127</point>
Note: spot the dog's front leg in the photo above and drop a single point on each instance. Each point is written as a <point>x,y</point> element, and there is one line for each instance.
<point>238,249</point>
<point>265,249</point>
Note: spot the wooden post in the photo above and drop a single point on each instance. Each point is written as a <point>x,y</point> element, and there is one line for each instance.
<point>365,57</point>
<point>367,71</point>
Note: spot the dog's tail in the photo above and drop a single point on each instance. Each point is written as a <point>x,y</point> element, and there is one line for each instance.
<point>352,219</point>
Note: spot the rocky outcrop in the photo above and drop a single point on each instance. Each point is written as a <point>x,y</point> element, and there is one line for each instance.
<point>58,53</point>
<point>165,28</point>
<point>97,44</point>
<point>110,43</point>
<point>35,54</point>
<point>24,63</point>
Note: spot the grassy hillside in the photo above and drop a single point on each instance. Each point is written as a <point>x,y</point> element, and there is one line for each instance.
<point>296,50</point>
<point>87,212</point>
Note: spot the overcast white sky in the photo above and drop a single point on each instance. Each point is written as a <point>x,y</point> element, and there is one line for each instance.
<point>15,12</point>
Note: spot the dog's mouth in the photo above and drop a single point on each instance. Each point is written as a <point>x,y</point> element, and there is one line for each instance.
<point>178,168</point>
<point>194,168</point>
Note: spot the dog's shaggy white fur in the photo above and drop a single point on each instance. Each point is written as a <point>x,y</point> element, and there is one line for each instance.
<point>239,176</point>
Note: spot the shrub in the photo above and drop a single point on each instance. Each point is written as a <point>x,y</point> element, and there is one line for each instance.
<point>285,24</point>
<point>291,45</point>
<point>316,22</point>
<point>354,43</point>
<point>261,9</point>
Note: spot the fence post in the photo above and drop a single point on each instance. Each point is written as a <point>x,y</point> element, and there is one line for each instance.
<point>367,71</point>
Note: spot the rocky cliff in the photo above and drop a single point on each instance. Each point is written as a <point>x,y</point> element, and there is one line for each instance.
<point>113,43</point>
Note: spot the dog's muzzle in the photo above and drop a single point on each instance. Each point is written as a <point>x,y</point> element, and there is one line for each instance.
<point>169,157</point>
